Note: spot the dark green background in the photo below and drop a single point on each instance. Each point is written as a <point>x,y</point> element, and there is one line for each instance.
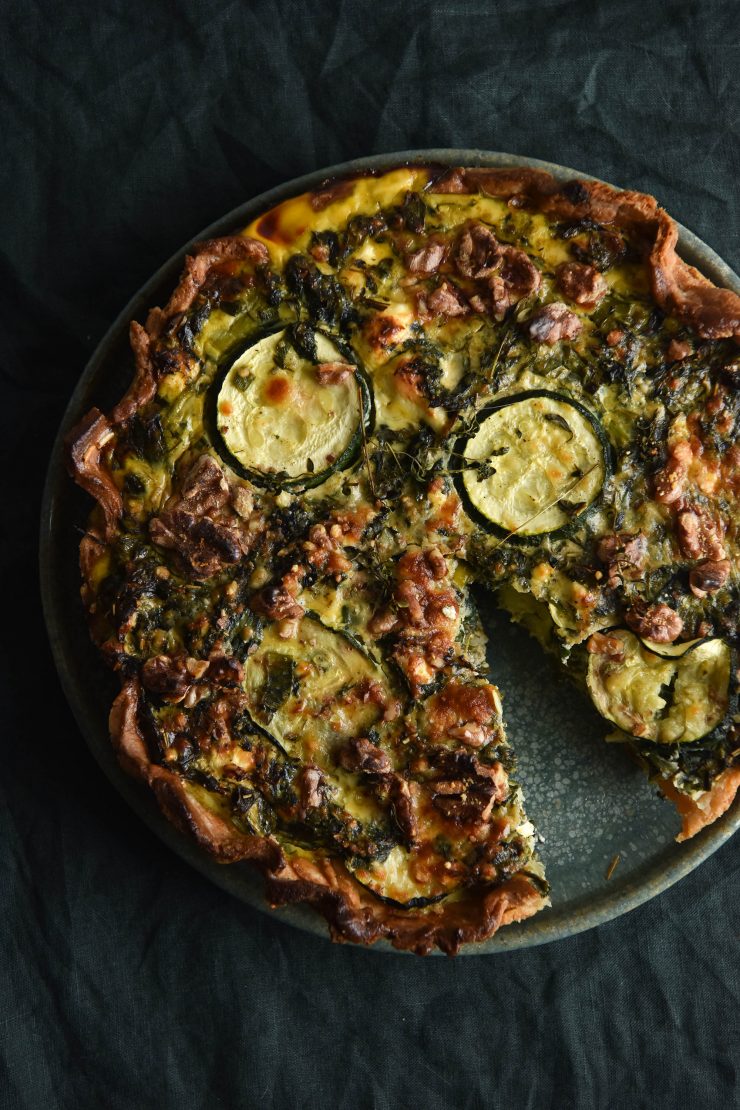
<point>126,981</point>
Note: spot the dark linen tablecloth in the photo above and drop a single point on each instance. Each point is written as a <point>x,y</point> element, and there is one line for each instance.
<point>126,980</point>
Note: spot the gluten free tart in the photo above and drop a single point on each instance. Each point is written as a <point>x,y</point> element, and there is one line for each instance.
<point>379,393</point>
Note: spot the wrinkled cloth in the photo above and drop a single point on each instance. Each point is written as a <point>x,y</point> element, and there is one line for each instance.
<point>126,979</point>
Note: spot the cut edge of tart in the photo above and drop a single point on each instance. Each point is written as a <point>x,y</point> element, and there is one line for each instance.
<point>329,430</point>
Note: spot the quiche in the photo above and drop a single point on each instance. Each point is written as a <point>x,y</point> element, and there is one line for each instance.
<point>379,398</point>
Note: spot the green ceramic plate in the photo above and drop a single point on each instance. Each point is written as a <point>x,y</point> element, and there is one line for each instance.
<point>587,799</point>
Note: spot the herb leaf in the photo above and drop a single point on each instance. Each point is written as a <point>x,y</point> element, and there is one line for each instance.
<point>560,422</point>
<point>279,681</point>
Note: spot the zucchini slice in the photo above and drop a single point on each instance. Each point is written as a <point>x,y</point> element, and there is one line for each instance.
<point>310,692</point>
<point>668,699</point>
<point>286,418</point>
<point>671,651</point>
<point>391,880</point>
<point>533,465</point>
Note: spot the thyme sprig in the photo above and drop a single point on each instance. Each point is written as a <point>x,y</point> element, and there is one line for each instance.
<point>550,505</point>
<point>365,454</point>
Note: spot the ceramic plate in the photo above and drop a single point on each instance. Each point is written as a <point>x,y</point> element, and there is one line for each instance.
<point>587,799</point>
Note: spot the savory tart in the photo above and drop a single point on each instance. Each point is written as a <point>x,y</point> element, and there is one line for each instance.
<point>376,395</point>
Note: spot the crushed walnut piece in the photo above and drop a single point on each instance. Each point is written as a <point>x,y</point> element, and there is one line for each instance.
<point>656,622</point>
<point>581,283</point>
<point>553,322</point>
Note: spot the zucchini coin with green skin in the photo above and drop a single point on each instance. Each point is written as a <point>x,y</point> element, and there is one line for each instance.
<point>287,414</point>
<point>671,651</point>
<point>391,880</point>
<point>667,699</point>
<point>533,465</point>
<point>310,692</point>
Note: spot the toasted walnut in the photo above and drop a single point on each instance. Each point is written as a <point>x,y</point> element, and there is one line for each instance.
<point>699,534</point>
<point>288,628</point>
<point>214,726</point>
<point>223,671</point>
<point>458,763</point>
<point>655,622</point>
<point>464,711</point>
<point>324,548</point>
<point>427,259</point>
<point>552,323</point>
<point>205,488</point>
<point>402,806</point>
<point>375,693</point>
<point>505,274</point>
<point>477,252</point>
<point>384,622</point>
<point>600,643</point>
<point>243,500</point>
<point>424,608</point>
<point>677,350</point>
<point>361,754</point>
<point>422,616</point>
<point>421,655</point>
<point>199,523</point>
<point>580,283</point>
<point>437,564</point>
<point>311,784</point>
<point>200,542</point>
<point>476,736</point>
<point>709,577</point>
<point>447,301</point>
<point>465,803</point>
<point>276,603</point>
<point>624,555</point>
<point>420,603</point>
<point>517,278</point>
<point>174,678</point>
<point>169,678</point>
<point>670,482</point>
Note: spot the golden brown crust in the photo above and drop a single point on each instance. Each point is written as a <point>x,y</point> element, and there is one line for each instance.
<point>208,256</point>
<point>677,287</point>
<point>700,812</point>
<point>353,914</point>
<point>84,445</point>
<point>353,917</point>
<point>505,182</point>
<point>712,312</point>
<point>92,547</point>
<point>144,384</point>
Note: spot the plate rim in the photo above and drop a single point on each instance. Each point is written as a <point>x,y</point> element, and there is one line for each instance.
<point>242,880</point>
